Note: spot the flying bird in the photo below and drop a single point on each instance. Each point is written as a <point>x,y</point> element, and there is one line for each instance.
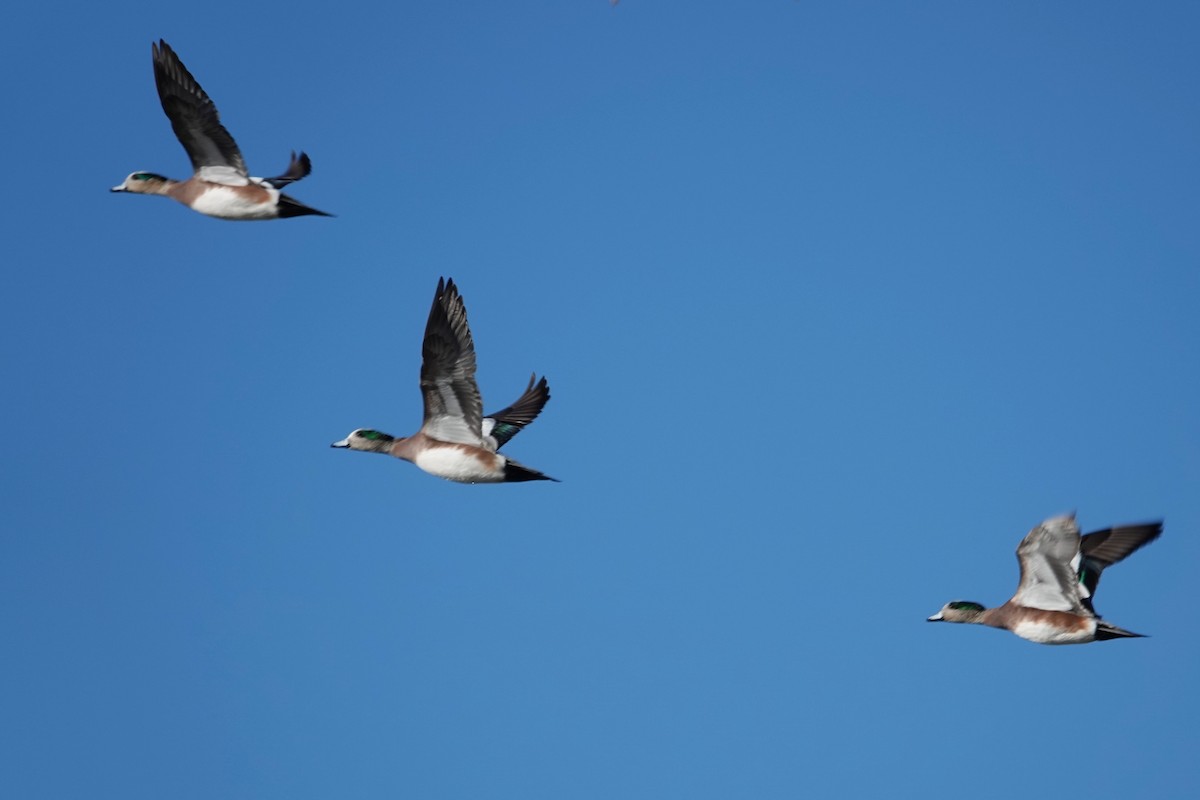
<point>220,185</point>
<point>456,441</point>
<point>1060,571</point>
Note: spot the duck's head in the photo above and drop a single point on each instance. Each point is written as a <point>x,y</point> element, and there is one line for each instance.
<point>371,441</point>
<point>958,611</point>
<point>142,183</point>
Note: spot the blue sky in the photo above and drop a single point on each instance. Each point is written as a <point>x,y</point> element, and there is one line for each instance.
<point>836,301</point>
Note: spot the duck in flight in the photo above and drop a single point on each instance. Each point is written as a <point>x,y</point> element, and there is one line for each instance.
<point>456,441</point>
<point>220,185</point>
<point>1059,574</point>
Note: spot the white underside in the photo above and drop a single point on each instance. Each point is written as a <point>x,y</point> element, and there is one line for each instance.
<point>225,203</point>
<point>455,465</point>
<point>1042,633</point>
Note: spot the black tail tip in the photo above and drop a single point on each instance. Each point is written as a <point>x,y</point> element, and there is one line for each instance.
<point>291,207</point>
<point>1106,632</point>
<point>516,473</point>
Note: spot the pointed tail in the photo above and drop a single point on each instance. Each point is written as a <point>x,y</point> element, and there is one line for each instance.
<point>291,207</point>
<point>1106,630</point>
<point>514,473</point>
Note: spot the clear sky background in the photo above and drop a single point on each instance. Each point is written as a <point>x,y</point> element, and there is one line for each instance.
<point>836,300</point>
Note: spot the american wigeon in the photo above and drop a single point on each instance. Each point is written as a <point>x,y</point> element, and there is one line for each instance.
<point>220,185</point>
<point>1059,574</point>
<point>456,441</point>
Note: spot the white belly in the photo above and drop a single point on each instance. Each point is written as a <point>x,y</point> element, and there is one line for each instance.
<point>227,203</point>
<point>453,464</point>
<point>1043,633</point>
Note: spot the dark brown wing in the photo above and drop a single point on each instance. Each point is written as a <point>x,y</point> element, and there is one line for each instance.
<point>453,409</point>
<point>298,167</point>
<point>194,116</point>
<point>1101,549</point>
<point>508,422</point>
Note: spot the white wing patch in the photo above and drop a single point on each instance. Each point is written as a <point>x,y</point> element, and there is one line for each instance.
<point>1041,588</point>
<point>226,176</point>
<point>1049,557</point>
<point>451,425</point>
<point>1080,589</point>
<point>445,428</point>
